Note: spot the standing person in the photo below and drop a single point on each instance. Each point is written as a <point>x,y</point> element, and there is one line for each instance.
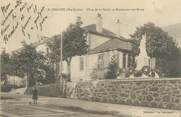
<point>35,95</point>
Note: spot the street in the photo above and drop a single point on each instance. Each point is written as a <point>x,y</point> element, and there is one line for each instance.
<point>22,108</point>
<point>37,111</point>
<point>15,105</point>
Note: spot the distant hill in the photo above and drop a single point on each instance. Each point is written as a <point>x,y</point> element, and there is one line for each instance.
<point>174,31</point>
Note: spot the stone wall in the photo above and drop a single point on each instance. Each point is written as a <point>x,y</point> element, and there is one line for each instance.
<point>161,93</point>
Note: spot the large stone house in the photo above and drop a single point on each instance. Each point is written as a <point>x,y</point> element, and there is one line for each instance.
<point>103,46</point>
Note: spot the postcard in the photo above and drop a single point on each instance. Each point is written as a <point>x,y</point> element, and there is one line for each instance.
<point>90,58</point>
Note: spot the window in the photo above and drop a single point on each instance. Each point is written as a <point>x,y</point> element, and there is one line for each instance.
<point>124,60</point>
<point>129,60</point>
<point>100,61</point>
<point>81,63</point>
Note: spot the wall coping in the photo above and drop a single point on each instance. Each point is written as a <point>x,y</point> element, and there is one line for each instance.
<point>139,79</point>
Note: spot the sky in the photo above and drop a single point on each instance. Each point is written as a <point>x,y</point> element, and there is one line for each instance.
<point>160,12</point>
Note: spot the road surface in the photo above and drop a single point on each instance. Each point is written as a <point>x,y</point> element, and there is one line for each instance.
<point>17,108</point>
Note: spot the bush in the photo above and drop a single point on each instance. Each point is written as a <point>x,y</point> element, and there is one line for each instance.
<point>138,73</point>
<point>146,71</point>
<point>6,88</point>
<point>113,70</point>
<point>65,77</point>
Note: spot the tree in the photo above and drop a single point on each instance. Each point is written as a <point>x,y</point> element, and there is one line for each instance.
<point>28,61</point>
<point>161,46</point>
<point>113,70</point>
<point>9,66</point>
<point>49,74</point>
<point>74,44</point>
<point>5,65</point>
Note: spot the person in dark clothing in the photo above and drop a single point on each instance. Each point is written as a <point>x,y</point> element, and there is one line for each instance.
<point>35,95</point>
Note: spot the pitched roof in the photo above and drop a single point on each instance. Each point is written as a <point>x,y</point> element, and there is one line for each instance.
<point>92,28</point>
<point>113,44</point>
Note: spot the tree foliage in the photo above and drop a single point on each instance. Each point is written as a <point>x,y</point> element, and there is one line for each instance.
<point>158,43</point>
<point>113,70</point>
<point>54,54</point>
<point>28,62</point>
<point>74,44</point>
<point>135,47</point>
<point>161,46</point>
<point>5,65</point>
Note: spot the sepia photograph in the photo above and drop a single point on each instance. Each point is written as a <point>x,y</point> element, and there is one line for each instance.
<point>90,58</point>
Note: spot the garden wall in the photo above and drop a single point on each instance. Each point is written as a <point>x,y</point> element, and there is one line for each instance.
<point>161,93</point>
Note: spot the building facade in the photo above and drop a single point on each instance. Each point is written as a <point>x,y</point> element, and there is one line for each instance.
<point>103,46</point>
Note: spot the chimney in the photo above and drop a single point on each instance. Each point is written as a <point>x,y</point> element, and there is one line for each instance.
<point>99,27</point>
<point>118,28</point>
